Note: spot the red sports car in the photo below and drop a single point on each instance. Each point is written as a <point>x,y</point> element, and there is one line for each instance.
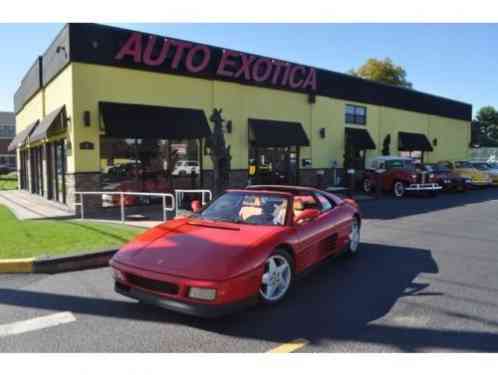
<point>246,245</point>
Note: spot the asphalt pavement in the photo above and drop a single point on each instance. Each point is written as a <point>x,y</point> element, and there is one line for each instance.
<point>425,280</point>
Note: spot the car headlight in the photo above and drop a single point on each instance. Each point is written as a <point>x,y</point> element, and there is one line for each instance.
<point>447,181</point>
<point>202,293</point>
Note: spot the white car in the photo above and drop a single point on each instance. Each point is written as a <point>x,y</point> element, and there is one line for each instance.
<point>186,167</point>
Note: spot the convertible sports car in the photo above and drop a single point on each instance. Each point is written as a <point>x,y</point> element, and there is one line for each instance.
<point>246,245</point>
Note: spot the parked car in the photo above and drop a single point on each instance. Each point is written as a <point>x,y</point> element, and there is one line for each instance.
<point>444,177</point>
<point>399,176</point>
<point>6,169</point>
<point>466,169</point>
<point>247,245</point>
<point>186,167</point>
<point>488,169</point>
<point>151,183</point>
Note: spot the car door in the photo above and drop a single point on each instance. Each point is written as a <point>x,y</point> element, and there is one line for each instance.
<point>318,237</point>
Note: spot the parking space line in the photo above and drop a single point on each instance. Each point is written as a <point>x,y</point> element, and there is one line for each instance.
<point>36,323</point>
<point>290,346</point>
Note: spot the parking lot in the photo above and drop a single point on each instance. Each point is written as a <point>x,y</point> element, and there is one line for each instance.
<point>426,279</point>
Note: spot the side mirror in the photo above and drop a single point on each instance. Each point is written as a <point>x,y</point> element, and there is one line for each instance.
<point>307,215</point>
<point>196,206</point>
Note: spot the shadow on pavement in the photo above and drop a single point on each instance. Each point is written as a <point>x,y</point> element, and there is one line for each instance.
<point>339,301</point>
<point>391,208</point>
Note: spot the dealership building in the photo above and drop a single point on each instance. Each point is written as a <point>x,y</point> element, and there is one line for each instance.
<point>109,108</point>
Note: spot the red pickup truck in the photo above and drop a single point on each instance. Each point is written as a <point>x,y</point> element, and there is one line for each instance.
<point>399,175</point>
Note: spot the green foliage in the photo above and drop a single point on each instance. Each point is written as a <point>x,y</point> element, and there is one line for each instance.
<point>32,238</point>
<point>484,131</point>
<point>8,183</point>
<point>384,71</point>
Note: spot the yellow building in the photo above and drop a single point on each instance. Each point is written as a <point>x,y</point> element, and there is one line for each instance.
<point>112,108</point>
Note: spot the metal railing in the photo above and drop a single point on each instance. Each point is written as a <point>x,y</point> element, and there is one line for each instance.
<point>122,194</point>
<point>179,195</point>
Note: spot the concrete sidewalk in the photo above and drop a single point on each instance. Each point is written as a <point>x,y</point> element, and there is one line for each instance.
<point>26,206</point>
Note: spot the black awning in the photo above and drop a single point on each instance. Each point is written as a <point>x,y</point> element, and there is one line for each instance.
<point>53,122</point>
<point>145,121</point>
<point>22,136</point>
<point>360,139</point>
<point>413,142</point>
<point>269,133</point>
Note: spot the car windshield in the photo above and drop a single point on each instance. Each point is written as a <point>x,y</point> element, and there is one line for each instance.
<point>247,208</point>
<point>437,168</point>
<point>400,163</point>
<point>463,164</point>
<point>481,166</point>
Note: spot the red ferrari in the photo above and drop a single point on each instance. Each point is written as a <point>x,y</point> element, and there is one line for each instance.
<point>245,246</point>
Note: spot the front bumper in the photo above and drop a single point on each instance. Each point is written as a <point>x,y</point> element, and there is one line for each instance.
<point>424,187</point>
<point>190,308</point>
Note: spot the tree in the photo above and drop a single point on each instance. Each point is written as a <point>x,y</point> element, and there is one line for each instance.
<point>219,152</point>
<point>485,126</point>
<point>384,71</point>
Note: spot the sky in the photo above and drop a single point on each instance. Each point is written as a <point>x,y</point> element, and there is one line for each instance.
<point>458,61</point>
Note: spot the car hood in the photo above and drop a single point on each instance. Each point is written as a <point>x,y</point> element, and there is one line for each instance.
<point>196,249</point>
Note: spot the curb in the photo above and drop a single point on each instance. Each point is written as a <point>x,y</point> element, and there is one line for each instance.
<point>24,265</point>
<point>51,265</point>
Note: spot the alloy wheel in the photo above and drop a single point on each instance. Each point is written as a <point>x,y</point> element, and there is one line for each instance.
<point>276,278</point>
<point>354,236</point>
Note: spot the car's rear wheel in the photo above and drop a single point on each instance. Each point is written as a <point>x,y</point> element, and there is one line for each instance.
<point>354,238</point>
<point>277,278</point>
<point>367,186</point>
<point>399,189</point>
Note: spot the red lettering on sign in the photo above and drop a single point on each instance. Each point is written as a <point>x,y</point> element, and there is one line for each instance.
<point>180,47</point>
<point>132,47</point>
<point>245,68</point>
<point>276,72</point>
<point>259,76</point>
<point>226,62</point>
<point>285,78</point>
<point>205,60</point>
<point>310,80</point>
<point>293,83</point>
<point>159,59</point>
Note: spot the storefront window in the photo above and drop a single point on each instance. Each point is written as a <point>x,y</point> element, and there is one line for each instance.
<point>149,165</point>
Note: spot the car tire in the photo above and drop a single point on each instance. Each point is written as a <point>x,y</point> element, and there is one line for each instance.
<point>277,278</point>
<point>182,173</point>
<point>367,186</point>
<point>399,189</point>
<point>354,238</point>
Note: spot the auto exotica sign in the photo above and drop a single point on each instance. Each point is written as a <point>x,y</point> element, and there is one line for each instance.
<point>199,59</point>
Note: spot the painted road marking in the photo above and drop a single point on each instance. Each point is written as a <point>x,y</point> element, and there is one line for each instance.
<point>36,323</point>
<point>290,346</point>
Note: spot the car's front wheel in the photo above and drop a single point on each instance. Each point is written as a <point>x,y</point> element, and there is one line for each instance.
<point>399,189</point>
<point>277,278</point>
<point>354,238</point>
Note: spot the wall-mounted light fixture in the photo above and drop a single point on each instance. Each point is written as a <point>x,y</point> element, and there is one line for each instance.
<point>434,142</point>
<point>322,132</point>
<point>61,48</point>
<point>229,127</point>
<point>87,119</point>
